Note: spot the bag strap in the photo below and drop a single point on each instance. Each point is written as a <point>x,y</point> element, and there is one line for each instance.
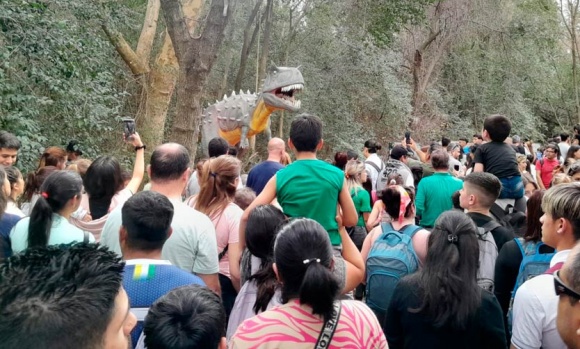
<point>223,252</point>
<point>497,211</point>
<point>519,243</point>
<point>410,230</point>
<point>491,225</point>
<point>85,237</point>
<point>555,268</point>
<point>329,328</point>
<point>373,165</point>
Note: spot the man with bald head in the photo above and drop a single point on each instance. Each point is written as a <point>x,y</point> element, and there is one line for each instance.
<point>192,246</point>
<point>262,172</point>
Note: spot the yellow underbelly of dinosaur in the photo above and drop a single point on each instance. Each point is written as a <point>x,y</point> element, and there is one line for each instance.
<point>258,124</point>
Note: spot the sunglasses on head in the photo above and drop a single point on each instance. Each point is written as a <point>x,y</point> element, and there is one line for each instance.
<point>561,288</point>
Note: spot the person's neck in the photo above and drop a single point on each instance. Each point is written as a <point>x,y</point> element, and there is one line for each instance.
<point>306,155</point>
<point>406,221</point>
<point>171,189</point>
<point>441,170</point>
<point>274,158</point>
<point>132,254</point>
<point>65,213</point>
<point>479,210</point>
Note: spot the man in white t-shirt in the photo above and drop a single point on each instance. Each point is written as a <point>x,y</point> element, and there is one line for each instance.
<point>567,287</point>
<point>536,304</point>
<point>192,246</point>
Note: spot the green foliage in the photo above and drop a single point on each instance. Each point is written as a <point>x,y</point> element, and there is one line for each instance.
<point>385,18</point>
<point>59,77</point>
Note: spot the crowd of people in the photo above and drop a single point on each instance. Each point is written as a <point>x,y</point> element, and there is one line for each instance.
<point>467,244</point>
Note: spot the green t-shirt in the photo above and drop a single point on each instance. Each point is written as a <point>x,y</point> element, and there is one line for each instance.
<point>362,204</point>
<point>310,188</point>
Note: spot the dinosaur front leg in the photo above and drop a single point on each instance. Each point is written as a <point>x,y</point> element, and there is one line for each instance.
<point>268,130</point>
<point>244,144</point>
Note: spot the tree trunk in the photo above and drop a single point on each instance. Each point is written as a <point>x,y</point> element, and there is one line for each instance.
<point>195,57</point>
<point>266,41</point>
<point>158,82</point>
<point>158,93</point>
<point>247,45</point>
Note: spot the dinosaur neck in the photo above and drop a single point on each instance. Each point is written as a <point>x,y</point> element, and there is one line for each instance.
<point>261,114</point>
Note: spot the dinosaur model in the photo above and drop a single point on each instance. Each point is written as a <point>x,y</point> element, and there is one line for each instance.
<point>237,117</point>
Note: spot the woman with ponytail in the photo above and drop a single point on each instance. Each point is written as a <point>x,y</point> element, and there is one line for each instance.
<point>261,292</point>
<point>60,196</point>
<point>303,263</point>
<point>32,186</point>
<point>441,306</point>
<point>219,181</point>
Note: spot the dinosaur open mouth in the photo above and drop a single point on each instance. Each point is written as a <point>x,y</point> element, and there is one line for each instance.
<point>287,93</point>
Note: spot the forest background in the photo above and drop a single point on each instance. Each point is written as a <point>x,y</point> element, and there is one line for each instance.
<point>373,68</point>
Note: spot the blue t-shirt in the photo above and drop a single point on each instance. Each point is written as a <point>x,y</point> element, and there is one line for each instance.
<point>146,280</point>
<point>7,222</point>
<point>260,175</point>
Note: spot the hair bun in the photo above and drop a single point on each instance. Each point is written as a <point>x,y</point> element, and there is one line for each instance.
<point>378,146</point>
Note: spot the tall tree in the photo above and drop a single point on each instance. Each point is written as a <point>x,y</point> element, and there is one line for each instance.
<point>195,56</point>
<point>157,80</point>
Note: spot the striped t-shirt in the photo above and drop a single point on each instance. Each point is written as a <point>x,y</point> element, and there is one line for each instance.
<point>292,326</point>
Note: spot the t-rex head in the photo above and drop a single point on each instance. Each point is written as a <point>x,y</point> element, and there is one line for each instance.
<point>280,86</point>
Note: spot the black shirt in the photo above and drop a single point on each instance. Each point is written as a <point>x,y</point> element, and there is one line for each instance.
<point>498,158</point>
<point>501,235</point>
<point>410,330</point>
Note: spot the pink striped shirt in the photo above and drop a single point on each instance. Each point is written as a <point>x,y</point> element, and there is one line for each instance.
<point>293,326</point>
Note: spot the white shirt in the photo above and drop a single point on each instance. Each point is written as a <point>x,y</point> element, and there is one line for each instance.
<point>563,150</point>
<point>373,174</point>
<point>535,311</point>
<point>192,246</point>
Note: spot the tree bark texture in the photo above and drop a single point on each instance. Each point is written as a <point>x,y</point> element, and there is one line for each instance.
<point>249,39</point>
<point>195,57</point>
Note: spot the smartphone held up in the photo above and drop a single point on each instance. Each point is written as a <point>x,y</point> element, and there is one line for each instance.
<point>128,128</point>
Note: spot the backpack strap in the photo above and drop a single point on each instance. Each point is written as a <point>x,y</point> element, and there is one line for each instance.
<point>491,225</point>
<point>373,165</point>
<point>386,227</point>
<point>519,243</point>
<point>410,230</point>
<point>329,328</point>
<point>555,268</point>
<point>497,211</point>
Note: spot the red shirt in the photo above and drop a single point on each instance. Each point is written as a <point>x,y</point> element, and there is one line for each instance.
<point>547,170</point>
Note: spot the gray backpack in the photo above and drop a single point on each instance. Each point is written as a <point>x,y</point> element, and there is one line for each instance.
<point>487,255</point>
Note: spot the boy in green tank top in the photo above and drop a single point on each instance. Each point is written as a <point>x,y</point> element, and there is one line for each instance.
<point>308,187</point>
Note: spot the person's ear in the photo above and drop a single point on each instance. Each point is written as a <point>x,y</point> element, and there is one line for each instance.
<point>320,145</point>
<point>291,145</point>
<point>149,171</point>
<point>169,232</point>
<point>223,343</point>
<point>275,268</point>
<point>122,237</point>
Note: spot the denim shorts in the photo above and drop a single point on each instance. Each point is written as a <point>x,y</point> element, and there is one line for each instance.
<point>511,187</point>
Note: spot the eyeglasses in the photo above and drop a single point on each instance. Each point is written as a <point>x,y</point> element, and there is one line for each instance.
<point>560,288</point>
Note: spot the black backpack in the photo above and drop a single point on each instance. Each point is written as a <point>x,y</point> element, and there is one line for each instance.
<point>512,217</point>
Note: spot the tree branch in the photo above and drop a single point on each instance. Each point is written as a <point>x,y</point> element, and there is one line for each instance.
<point>125,51</point>
<point>176,27</point>
<point>147,36</point>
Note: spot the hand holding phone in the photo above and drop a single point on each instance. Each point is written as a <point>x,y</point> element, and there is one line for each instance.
<point>128,128</point>
<point>408,137</point>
